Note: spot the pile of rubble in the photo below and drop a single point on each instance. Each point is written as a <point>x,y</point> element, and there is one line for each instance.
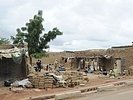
<point>73,78</point>
<point>47,80</point>
<point>41,81</point>
<point>65,79</point>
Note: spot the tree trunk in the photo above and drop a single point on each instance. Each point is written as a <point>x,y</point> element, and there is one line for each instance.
<point>30,58</point>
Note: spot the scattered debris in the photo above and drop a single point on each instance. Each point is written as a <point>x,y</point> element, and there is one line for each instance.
<point>22,83</point>
<point>8,83</point>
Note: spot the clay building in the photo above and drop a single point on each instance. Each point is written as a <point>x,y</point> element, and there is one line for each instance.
<point>12,63</point>
<point>120,57</point>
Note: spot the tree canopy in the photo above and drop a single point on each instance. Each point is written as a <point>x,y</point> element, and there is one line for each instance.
<point>33,35</point>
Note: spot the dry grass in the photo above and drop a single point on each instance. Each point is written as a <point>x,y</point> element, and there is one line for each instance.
<point>52,56</point>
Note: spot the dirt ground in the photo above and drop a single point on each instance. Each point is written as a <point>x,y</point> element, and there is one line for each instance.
<point>6,94</point>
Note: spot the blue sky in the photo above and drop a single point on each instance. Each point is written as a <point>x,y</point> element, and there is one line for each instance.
<point>86,24</point>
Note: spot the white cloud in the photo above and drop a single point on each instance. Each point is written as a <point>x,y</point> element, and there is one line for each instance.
<point>85,23</point>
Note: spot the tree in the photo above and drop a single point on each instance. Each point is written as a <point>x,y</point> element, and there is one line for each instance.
<point>4,41</point>
<point>33,35</point>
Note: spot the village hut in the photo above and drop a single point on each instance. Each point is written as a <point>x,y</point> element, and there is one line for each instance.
<point>12,63</point>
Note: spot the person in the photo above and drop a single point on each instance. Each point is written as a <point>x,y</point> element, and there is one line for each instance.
<point>38,63</point>
<point>36,68</point>
<point>50,68</point>
<point>56,64</point>
<point>47,67</point>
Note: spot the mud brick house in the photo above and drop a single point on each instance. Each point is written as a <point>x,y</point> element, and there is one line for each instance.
<point>96,58</point>
<point>12,63</point>
<point>122,56</point>
<point>125,53</point>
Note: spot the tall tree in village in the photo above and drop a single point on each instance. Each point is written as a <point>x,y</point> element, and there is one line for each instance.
<point>33,35</point>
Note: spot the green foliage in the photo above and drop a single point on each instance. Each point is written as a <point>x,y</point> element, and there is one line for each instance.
<point>33,34</point>
<point>4,41</point>
<point>39,55</point>
<point>19,39</point>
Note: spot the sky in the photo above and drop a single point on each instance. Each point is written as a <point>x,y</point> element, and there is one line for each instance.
<point>86,24</point>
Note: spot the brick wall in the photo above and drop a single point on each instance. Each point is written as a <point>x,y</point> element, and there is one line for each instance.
<point>129,57</point>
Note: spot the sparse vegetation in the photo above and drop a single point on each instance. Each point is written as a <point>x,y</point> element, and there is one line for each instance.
<point>33,35</point>
<point>4,41</point>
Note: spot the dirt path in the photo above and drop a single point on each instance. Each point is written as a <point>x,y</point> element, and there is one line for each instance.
<point>5,94</point>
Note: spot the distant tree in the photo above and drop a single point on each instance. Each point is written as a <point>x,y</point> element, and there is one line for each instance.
<point>33,35</point>
<point>4,41</point>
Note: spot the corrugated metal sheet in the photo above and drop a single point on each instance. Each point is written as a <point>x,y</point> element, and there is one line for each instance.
<point>7,53</point>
